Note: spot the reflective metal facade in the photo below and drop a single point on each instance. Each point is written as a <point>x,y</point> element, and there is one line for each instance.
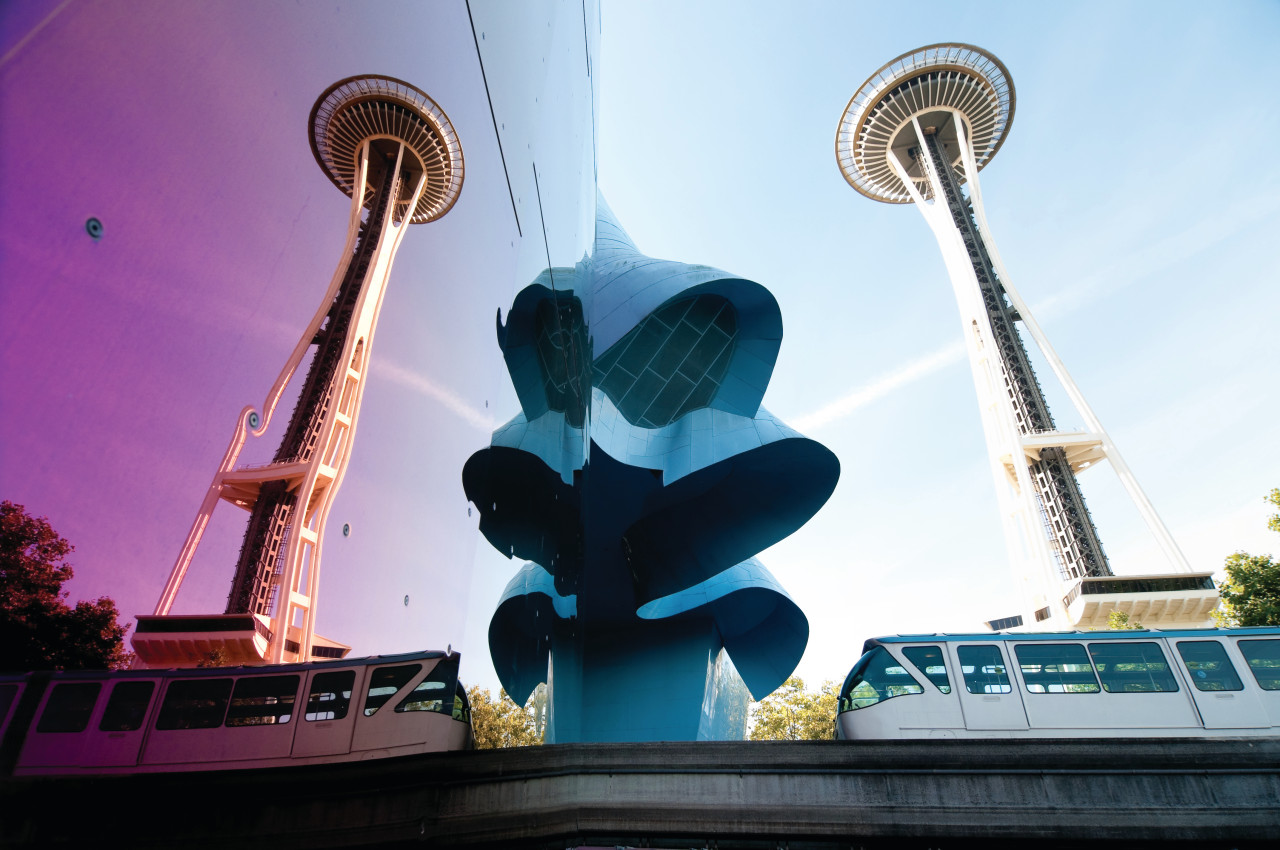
<point>179,130</point>
<point>183,130</point>
<point>639,482</point>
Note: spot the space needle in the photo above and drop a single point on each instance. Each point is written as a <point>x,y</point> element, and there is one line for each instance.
<point>388,146</point>
<point>919,130</point>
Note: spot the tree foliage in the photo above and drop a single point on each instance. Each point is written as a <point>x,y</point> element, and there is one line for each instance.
<point>793,713</point>
<point>38,630</point>
<point>1119,621</point>
<point>1251,592</point>
<point>501,723</point>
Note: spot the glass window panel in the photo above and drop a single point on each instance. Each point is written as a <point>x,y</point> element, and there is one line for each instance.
<point>263,701</point>
<point>561,342</point>
<point>127,706</point>
<point>641,344</point>
<point>674,350</point>
<point>929,660</point>
<point>664,407</point>
<point>1056,668</point>
<point>194,704</point>
<point>727,320</point>
<point>1210,669</point>
<point>983,669</point>
<point>384,683</point>
<point>704,309</point>
<point>875,678</point>
<point>721,365</point>
<point>330,695</point>
<point>433,692</point>
<point>1263,658</point>
<point>1132,668</point>
<point>69,707</point>
<point>616,383</point>
<point>461,704</point>
<point>671,314</point>
<point>686,343</point>
<point>641,395</point>
<point>605,362</point>
<point>704,355</point>
<point>427,696</point>
<point>700,397</point>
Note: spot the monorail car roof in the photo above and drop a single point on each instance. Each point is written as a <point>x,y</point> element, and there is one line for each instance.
<point>1125,634</point>
<point>238,670</point>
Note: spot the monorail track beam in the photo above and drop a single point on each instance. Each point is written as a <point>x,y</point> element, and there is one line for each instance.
<point>801,794</point>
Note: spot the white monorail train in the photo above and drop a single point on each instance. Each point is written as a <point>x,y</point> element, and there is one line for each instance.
<point>148,721</point>
<point>1145,683</point>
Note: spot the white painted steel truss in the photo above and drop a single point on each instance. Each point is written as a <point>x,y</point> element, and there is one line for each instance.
<point>315,481</point>
<point>357,124</point>
<point>966,94</point>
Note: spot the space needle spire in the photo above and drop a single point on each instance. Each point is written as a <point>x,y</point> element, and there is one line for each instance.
<point>918,131</point>
<point>393,151</point>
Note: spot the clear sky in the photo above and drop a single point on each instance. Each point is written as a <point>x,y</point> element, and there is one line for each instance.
<point>1135,202</point>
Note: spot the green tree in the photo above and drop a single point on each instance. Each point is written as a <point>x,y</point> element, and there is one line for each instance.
<point>1251,593</point>
<point>792,713</point>
<point>501,723</point>
<point>38,630</point>
<point>216,657</point>
<point>1119,621</point>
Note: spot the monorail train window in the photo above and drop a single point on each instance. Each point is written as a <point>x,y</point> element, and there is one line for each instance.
<point>7,694</point>
<point>1056,668</point>
<point>384,683</point>
<point>875,678</point>
<point>983,670</point>
<point>262,701</point>
<point>69,707</point>
<point>127,706</point>
<point>461,705</point>
<point>194,704</point>
<point>1262,656</point>
<point>1132,668</point>
<point>1209,666</point>
<point>330,695</point>
<point>428,696</point>
<point>929,661</point>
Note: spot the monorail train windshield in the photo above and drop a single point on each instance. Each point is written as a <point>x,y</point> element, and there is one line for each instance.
<point>876,678</point>
<point>1203,682</point>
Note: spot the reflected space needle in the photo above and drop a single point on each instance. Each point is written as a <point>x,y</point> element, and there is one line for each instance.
<point>393,151</point>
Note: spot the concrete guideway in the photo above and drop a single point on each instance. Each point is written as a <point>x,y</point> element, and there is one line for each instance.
<point>1203,793</point>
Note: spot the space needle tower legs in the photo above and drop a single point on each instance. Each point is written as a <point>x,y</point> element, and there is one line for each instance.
<point>393,151</point>
<point>919,128</point>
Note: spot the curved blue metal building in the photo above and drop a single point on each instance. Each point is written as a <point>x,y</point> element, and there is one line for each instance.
<point>638,482</point>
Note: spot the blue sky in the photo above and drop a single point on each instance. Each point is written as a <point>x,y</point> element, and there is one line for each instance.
<point>1135,204</point>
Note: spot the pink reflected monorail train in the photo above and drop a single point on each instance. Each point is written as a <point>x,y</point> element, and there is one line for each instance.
<point>147,721</point>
